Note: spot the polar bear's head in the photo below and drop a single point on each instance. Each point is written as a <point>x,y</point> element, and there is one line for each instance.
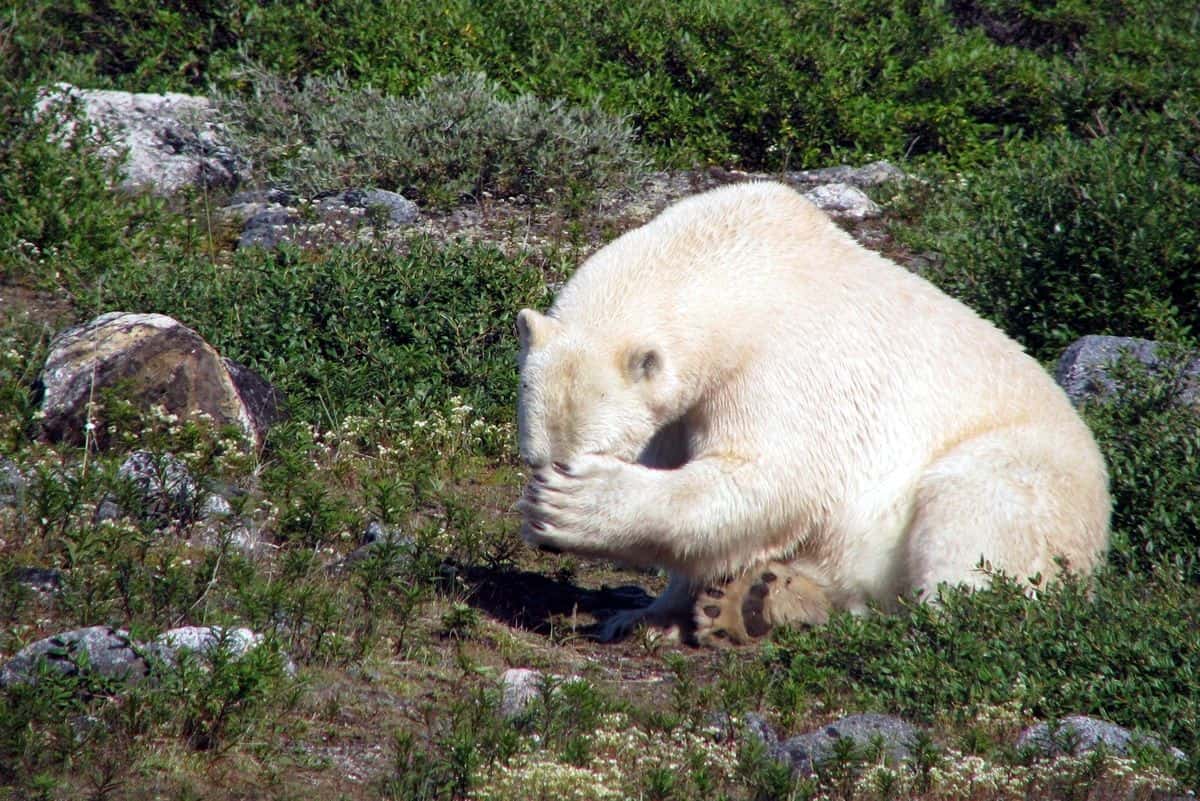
<point>584,393</point>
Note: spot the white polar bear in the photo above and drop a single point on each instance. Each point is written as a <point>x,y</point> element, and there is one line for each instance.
<point>740,393</point>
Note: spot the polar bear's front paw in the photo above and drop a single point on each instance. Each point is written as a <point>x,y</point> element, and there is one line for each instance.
<point>576,507</point>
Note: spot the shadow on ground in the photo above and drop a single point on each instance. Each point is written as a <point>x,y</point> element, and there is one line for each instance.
<point>533,601</point>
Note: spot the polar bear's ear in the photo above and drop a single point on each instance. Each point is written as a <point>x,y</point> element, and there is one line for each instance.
<point>533,329</point>
<point>644,364</point>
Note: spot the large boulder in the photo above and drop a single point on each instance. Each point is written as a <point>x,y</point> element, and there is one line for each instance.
<point>1085,370</point>
<point>153,360</point>
<point>104,651</point>
<point>169,142</point>
<point>805,752</point>
<point>1080,734</point>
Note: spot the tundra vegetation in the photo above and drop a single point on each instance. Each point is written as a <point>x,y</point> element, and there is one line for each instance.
<point>1058,149</point>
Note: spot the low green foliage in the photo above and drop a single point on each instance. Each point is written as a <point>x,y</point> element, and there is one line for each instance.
<point>456,138</point>
<point>1151,441</point>
<point>1072,237</point>
<point>356,330</point>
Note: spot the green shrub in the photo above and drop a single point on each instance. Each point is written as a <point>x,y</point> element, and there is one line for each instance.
<point>1127,655</point>
<point>356,329</point>
<point>455,138</point>
<point>1071,237</point>
<point>61,220</point>
<point>1152,445</point>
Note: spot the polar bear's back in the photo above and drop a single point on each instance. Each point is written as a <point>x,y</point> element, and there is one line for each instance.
<point>755,274</point>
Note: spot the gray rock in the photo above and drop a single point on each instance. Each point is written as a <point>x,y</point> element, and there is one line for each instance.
<point>270,228</point>
<point>398,209</point>
<point>105,651</point>
<point>154,359</point>
<point>203,641</point>
<point>265,404</point>
<point>873,174</point>
<point>843,201</point>
<point>519,687</point>
<point>12,483</point>
<point>272,218</point>
<point>1079,734</point>
<point>805,752</point>
<point>214,507</point>
<point>756,727</point>
<point>169,142</point>
<point>375,540</point>
<point>38,579</point>
<point>107,509</point>
<point>1084,369</point>
<point>163,484</point>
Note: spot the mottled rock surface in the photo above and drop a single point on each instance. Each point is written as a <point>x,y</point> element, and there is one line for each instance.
<point>168,142</point>
<point>153,359</point>
<point>805,752</point>
<point>1080,734</point>
<point>1085,370</point>
<point>106,652</point>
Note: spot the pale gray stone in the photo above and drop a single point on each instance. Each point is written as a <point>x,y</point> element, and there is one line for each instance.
<point>873,174</point>
<point>1085,369</point>
<point>168,142</point>
<point>843,201</point>
<point>1079,734</point>
<point>519,687</point>
<point>805,752</point>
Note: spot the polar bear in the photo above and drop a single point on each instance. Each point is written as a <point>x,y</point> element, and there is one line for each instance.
<point>789,423</point>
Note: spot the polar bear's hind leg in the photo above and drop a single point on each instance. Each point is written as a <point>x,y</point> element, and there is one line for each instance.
<point>1020,500</point>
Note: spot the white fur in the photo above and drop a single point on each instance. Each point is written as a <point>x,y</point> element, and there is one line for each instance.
<point>739,380</point>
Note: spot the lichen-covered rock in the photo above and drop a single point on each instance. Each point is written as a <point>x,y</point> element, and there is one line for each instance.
<point>1080,734</point>
<point>204,641</point>
<point>169,142</point>
<point>519,687</point>
<point>805,752</point>
<point>162,483</point>
<point>843,201</point>
<point>1085,369</point>
<point>272,218</point>
<point>105,651</point>
<point>154,360</point>
<point>12,483</point>
<point>868,175</point>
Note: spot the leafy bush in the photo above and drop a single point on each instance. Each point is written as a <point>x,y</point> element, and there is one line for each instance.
<point>1071,237</point>
<point>356,330</point>
<point>766,83</point>
<point>1152,445</point>
<point>1128,655</point>
<point>61,221</point>
<point>457,137</point>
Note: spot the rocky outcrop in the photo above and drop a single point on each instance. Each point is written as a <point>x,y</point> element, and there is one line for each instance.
<point>1080,734</point>
<point>109,653</point>
<point>168,142</point>
<point>152,360</point>
<point>1086,368</point>
<point>270,218</point>
<point>99,650</point>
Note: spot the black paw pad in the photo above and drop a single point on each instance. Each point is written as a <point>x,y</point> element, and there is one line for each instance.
<point>713,592</point>
<point>712,611</point>
<point>752,616</point>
